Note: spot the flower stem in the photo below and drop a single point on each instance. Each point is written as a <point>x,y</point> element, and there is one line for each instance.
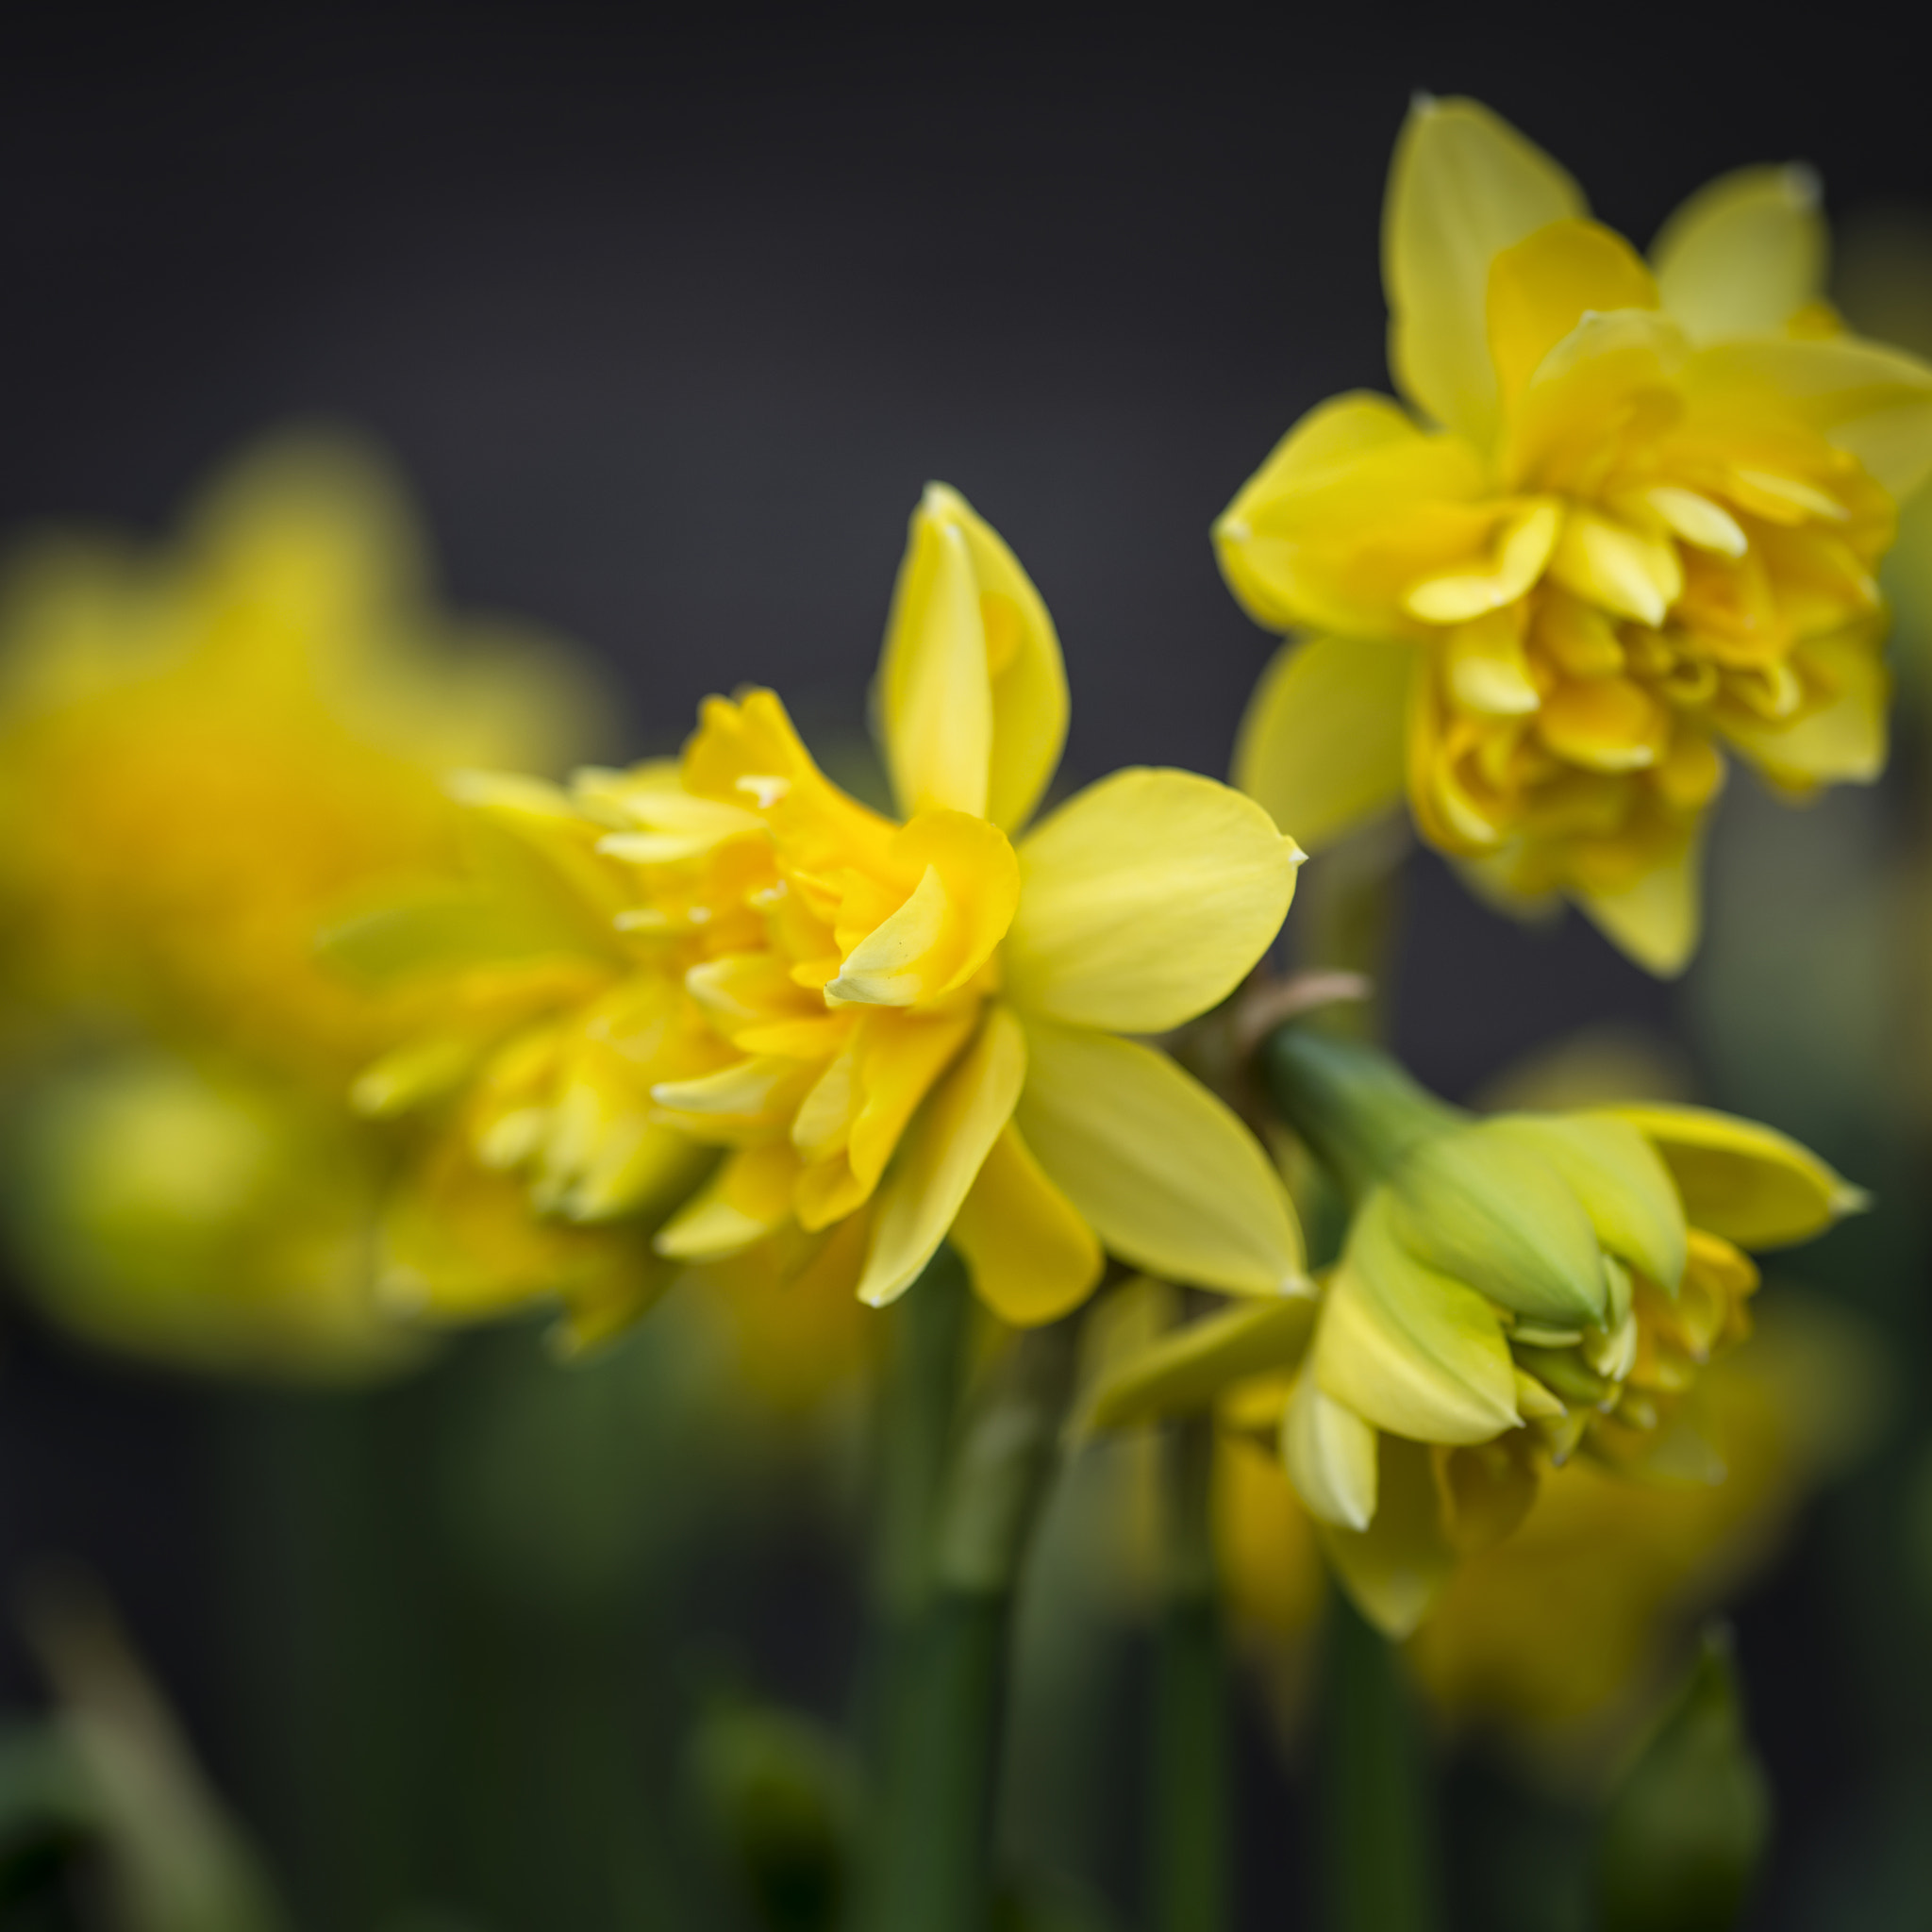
<point>933,1808</point>
<point>1188,1847</point>
<point>1378,1827</point>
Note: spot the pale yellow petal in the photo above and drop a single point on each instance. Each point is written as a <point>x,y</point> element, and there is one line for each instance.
<point>1624,570</point>
<point>1031,1256</point>
<point>748,1197</point>
<point>1397,1568</point>
<point>1872,401</point>
<point>941,1156</point>
<point>1657,920</point>
<point>1330,1454</point>
<point>1145,900</point>
<point>1353,506</point>
<point>1464,185</point>
<point>1748,1183</point>
<point>1744,254</point>
<point>1186,1370</point>
<point>1846,739</point>
<point>1410,1349</point>
<point>1322,742</point>
<point>1023,652</point>
<point>1540,288</point>
<point>1164,1172</point>
<point>935,691</point>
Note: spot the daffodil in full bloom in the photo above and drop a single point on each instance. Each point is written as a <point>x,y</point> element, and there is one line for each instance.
<point>1622,527</point>
<point>1512,1291</point>
<point>876,1032</point>
<point>204,748</point>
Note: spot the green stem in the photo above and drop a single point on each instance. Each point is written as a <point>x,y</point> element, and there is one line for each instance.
<point>1379,1826</point>
<point>1188,1848</point>
<point>934,1809</point>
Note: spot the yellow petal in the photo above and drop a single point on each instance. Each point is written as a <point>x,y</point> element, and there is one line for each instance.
<point>1355,505</point>
<point>1540,288</point>
<point>1397,1568</point>
<point>1610,564</point>
<point>1846,739</point>
<point>1523,547</point>
<point>1464,186</point>
<point>1624,1186</point>
<point>1656,920</point>
<point>935,693</point>
<point>1870,400</point>
<point>1330,1454</point>
<point>1023,653</point>
<point>1744,254</point>
<point>1031,1256</point>
<point>1145,900</point>
<point>1604,724</point>
<point>1187,1368</point>
<point>1698,520</point>
<point>1487,668</point>
<point>748,1198</point>
<point>1409,1349</point>
<point>1164,1172</point>
<point>966,625</point>
<point>1321,744</point>
<point>947,928</point>
<point>939,1157</point>
<point>1481,1204</point>
<point>1748,1183</point>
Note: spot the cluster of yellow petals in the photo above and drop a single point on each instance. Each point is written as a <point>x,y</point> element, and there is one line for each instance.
<point>722,1002</point>
<point>1631,527</point>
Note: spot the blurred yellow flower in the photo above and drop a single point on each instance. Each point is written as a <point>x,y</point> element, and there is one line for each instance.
<point>876,1033</point>
<point>1630,526</point>
<point>204,749</point>
<point>1510,1291</point>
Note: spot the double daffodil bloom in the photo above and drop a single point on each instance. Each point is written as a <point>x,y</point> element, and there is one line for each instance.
<point>882,1031</point>
<point>203,748</point>
<point>1512,1291</point>
<point>1626,525</point>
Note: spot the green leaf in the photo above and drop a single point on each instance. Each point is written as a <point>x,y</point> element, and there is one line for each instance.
<point>1687,1826</point>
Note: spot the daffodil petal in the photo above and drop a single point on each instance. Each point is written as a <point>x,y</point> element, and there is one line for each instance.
<point>1541,287</point>
<point>1397,1568</point>
<point>1408,1348</point>
<point>1874,402</point>
<point>1163,1171</point>
<point>1747,1183</point>
<point>1145,900</point>
<point>1842,740</point>
<point>1657,919</point>
<point>1187,1368</point>
<point>1463,186</point>
<point>1031,1256</point>
<point>1744,254</point>
<point>1320,748</point>
<point>1618,1176</point>
<point>746,1199</point>
<point>1330,1454</point>
<point>934,689</point>
<point>941,1156</point>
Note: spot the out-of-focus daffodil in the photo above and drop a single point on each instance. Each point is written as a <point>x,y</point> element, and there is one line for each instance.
<point>875,1033</point>
<point>1627,525</point>
<point>204,750</point>
<point>1512,1291</point>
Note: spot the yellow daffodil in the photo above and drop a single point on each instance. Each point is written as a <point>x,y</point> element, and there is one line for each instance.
<point>203,750</point>
<point>1512,1291</point>
<point>1625,526</point>
<point>876,1032</point>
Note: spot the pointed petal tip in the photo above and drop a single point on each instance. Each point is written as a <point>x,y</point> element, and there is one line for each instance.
<point>1803,184</point>
<point>1847,1197</point>
<point>1232,530</point>
<point>1422,102</point>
